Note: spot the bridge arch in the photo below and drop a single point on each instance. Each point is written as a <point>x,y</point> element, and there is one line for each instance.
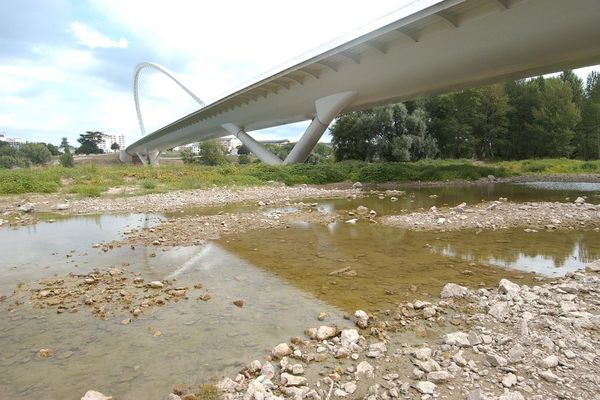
<point>136,98</point>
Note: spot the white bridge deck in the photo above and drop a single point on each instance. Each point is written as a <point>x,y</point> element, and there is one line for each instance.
<point>428,47</point>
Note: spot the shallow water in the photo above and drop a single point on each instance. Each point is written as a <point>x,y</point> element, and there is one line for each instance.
<point>283,276</point>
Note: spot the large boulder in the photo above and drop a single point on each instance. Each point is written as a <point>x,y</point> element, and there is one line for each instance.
<point>453,290</point>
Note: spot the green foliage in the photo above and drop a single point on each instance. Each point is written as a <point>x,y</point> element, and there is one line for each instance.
<point>89,143</point>
<point>87,190</point>
<point>149,184</point>
<point>187,156</point>
<point>212,153</point>
<point>115,146</point>
<point>27,181</point>
<point>53,149</point>
<point>36,153</point>
<point>243,158</point>
<point>66,159</point>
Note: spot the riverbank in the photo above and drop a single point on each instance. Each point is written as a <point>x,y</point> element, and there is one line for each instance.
<point>506,343</point>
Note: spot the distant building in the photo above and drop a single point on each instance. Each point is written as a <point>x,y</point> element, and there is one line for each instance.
<point>195,147</point>
<point>281,142</point>
<point>14,142</point>
<point>109,140</point>
<point>230,143</point>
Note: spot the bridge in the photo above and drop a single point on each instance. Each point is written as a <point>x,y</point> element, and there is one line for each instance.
<point>425,48</point>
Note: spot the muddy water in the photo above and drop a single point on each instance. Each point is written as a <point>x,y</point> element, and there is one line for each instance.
<point>283,276</point>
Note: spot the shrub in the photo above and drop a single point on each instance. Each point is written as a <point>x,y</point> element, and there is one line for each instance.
<point>149,183</point>
<point>66,160</point>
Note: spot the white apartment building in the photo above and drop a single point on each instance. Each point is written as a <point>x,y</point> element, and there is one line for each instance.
<point>109,140</point>
<point>14,142</point>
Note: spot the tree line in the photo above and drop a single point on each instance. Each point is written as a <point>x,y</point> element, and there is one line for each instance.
<point>534,118</point>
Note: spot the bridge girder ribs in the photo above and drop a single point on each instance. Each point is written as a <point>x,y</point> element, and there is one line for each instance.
<point>149,157</point>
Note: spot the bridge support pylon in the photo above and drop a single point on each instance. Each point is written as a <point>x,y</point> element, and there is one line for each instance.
<point>327,109</point>
<point>258,149</point>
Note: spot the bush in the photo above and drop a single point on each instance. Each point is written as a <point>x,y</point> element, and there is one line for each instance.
<point>243,159</point>
<point>149,184</point>
<point>66,160</point>
<point>37,153</point>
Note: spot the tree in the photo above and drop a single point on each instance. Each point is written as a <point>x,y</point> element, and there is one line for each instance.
<point>490,122</point>
<point>115,146</point>
<point>53,149</point>
<point>354,136</point>
<point>187,156</point>
<point>450,123</point>
<point>588,138</point>
<point>212,153</point>
<point>243,158</point>
<point>576,85</point>
<point>243,149</point>
<point>555,120</point>
<point>36,153</point>
<point>66,159</point>
<point>89,143</point>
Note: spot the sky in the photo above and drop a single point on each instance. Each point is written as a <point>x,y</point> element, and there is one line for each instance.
<point>66,65</point>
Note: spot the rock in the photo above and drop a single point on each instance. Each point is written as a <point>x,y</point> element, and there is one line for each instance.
<point>499,310</point>
<point>323,316</point>
<point>45,353</point>
<point>593,267</point>
<point>549,376</point>
<point>418,305</point>
<point>509,380</point>
<point>297,369</point>
<point>453,290</point>
<point>516,353</point>
<point>364,370</point>
<point>352,221</point>
<point>476,394</point>
<point>439,376</point>
<point>422,353</point>
<point>507,287</point>
<point>326,332</point>
<point>62,207</point>
<point>362,319</point>
<point>340,393</point>
<point>155,284</point>
<point>495,360</point>
<point>254,366</point>
<point>349,337</point>
<point>173,396</point>
<point>459,359</point>
<point>459,339</point>
<point>261,203</point>
<point>376,350</point>
<point>239,303</point>
<point>225,385</point>
<point>579,201</point>
<point>27,207</point>
<point>508,395</point>
<point>362,210</point>
<point>425,387</point>
<point>349,387</point>
<point>549,362</point>
<point>429,312</point>
<point>268,370</point>
<point>93,395</point>
<point>292,380</point>
<point>281,350</point>
<point>357,185</point>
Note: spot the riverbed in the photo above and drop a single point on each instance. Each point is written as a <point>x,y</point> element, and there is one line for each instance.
<point>286,276</point>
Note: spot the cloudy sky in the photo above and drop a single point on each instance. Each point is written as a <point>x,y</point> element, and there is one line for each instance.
<point>66,65</point>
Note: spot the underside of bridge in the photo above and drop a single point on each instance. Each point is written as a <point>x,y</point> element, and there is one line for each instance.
<point>425,48</point>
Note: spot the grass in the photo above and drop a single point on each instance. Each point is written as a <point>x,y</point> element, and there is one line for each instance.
<point>91,180</point>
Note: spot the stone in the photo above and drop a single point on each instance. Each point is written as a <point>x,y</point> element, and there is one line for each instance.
<point>297,369</point>
<point>593,267</point>
<point>425,387</point>
<point>549,376</point>
<point>323,316</point>
<point>340,393</point>
<point>173,396</point>
<point>459,339</point>
<point>459,359</point>
<point>239,303</point>
<point>516,353</point>
<point>94,395</point>
<point>549,362</point>
<point>364,370</point>
<point>155,285</point>
<point>509,380</point>
<point>362,210</point>
<point>357,185</point>
<point>508,395</point>
<point>422,353</point>
<point>326,332</point>
<point>292,380</point>
<point>579,201</point>
<point>27,207</point>
<point>507,287</point>
<point>476,394</point>
<point>45,353</point>
<point>268,370</point>
<point>254,366</point>
<point>420,304</point>
<point>349,337</point>
<point>499,310</point>
<point>495,360</point>
<point>362,319</point>
<point>349,387</point>
<point>439,376</point>
<point>429,312</point>
<point>376,350</point>
<point>62,207</point>
<point>281,350</point>
<point>453,290</point>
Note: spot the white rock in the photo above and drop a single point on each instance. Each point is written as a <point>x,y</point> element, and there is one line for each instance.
<point>579,201</point>
<point>508,395</point>
<point>439,376</point>
<point>349,387</point>
<point>362,319</point>
<point>422,353</point>
<point>173,396</point>
<point>292,380</point>
<point>509,380</point>
<point>281,350</point>
<point>549,376</point>
<point>254,366</point>
<point>340,393</point>
<point>593,267</point>
<point>93,395</point>
<point>500,310</point>
<point>357,185</point>
<point>155,284</point>
<point>297,369</point>
<point>420,304</point>
<point>454,290</point>
<point>28,207</point>
<point>268,370</point>
<point>429,312</point>
<point>459,339</point>
<point>549,362</point>
<point>62,207</point>
<point>425,387</point>
<point>507,287</point>
<point>495,360</point>
<point>364,370</point>
<point>326,332</point>
<point>349,337</point>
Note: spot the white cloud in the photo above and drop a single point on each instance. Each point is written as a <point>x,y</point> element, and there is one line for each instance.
<point>94,39</point>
